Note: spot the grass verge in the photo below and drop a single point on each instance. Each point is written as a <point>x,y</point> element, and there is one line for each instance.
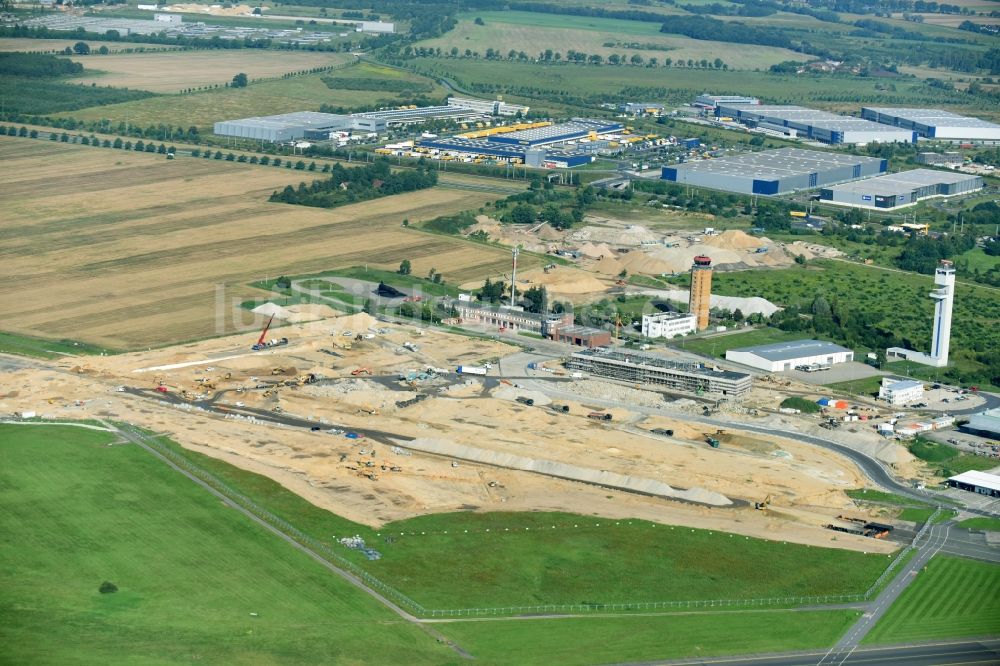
<point>951,598</point>
<point>579,641</point>
<point>24,345</point>
<point>985,524</point>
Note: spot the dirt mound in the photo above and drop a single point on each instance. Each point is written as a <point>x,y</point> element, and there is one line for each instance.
<point>564,280</point>
<point>356,322</point>
<point>596,250</point>
<point>734,239</point>
<point>549,233</point>
<point>272,310</point>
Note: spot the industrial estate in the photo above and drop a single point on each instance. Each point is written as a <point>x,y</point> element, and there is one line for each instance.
<point>533,333</point>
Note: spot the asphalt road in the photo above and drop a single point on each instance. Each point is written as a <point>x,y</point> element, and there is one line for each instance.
<point>961,653</point>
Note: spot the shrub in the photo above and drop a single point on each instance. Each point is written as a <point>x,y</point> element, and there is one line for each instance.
<point>107,587</point>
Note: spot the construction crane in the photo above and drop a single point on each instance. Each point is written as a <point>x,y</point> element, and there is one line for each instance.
<point>260,341</point>
<point>618,325</point>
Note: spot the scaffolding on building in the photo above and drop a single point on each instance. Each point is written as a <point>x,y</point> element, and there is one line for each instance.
<point>694,378</point>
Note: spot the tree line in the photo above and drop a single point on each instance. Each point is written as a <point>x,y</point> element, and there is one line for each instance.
<point>350,184</point>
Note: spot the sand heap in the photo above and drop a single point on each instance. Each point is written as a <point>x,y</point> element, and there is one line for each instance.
<point>734,239</point>
<point>596,250</point>
<point>361,321</point>
<point>630,236</point>
<point>562,280</point>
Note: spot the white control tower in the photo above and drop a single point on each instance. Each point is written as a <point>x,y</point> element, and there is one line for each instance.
<point>944,297</point>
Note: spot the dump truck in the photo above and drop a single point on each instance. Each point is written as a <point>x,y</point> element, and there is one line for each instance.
<point>560,408</point>
<point>662,431</point>
<point>599,416</point>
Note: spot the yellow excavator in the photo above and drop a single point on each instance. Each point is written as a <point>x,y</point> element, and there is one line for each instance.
<point>760,506</point>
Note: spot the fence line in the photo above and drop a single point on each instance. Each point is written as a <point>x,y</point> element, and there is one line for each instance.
<point>326,552</point>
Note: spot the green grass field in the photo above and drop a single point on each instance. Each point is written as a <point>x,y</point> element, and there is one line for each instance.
<point>23,345</point>
<point>985,524</point>
<point>573,642</point>
<point>298,93</point>
<point>951,598</point>
<point>947,460</point>
<point>881,497</point>
<point>867,386</point>
<point>717,345</point>
<point>189,571</point>
<point>532,32</point>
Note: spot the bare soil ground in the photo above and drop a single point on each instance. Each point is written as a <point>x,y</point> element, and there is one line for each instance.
<point>176,71</point>
<point>325,468</point>
<point>130,250</point>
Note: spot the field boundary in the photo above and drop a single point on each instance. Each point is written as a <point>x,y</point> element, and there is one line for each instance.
<point>392,595</point>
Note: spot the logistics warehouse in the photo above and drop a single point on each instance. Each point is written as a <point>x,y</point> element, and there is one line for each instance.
<point>814,124</point>
<point>935,123</point>
<point>772,172</point>
<point>901,189</point>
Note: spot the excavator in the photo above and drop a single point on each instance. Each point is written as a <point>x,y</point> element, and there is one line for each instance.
<point>763,505</point>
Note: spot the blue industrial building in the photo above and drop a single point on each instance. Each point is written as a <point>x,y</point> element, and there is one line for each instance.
<point>773,172</point>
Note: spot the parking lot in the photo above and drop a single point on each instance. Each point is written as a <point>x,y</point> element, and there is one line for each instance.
<point>840,372</point>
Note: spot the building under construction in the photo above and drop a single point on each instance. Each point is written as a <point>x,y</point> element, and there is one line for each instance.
<point>633,367</point>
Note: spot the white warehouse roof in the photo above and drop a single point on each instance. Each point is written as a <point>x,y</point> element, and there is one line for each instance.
<point>980,479</point>
<point>786,351</point>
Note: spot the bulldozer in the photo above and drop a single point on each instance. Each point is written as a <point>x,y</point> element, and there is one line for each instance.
<point>277,371</point>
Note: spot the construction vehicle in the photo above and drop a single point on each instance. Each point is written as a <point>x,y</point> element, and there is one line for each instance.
<point>361,371</point>
<point>162,389</point>
<point>368,409</point>
<point>560,408</point>
<point>525,401</point>
<point>262,343</point>
<point>712,441</point>
<point>277,371</point>
<point>599,416</point>
<point>662,431</point>
<point>760,506</point>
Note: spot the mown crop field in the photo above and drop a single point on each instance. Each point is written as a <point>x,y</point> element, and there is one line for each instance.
<point>197,581</point>
<point>532,32</point>
<point>58,45</point>
<point>129,250</point>
<point>175,71</point>
<point>203,109</point>
<point>951,598</point>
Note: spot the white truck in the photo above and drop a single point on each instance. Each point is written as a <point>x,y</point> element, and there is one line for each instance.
<point>471,370</point>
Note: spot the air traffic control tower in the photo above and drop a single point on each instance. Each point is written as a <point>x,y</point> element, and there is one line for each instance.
<point>944,298</point>
<point>700,298</point>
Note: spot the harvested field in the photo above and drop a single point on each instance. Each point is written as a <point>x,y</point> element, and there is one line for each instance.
<point>173,72</point>
<point>58,45</point>
<point>128,250</point>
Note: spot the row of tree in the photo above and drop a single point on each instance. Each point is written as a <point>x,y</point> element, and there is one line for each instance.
<point>351,184</point>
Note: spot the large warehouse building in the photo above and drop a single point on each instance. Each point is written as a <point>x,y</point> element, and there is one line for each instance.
<point>775,171</point>
<point>314,125</point>
<point>934,123</point>
<point>985,424</point>
<point>816,125</point>
<point>789,355</point>
<point>901,189</point>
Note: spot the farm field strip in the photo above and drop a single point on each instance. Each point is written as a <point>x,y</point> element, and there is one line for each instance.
<point>175,71</point>
<point>125,264</point>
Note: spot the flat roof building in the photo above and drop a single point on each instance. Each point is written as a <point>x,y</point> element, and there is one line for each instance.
<point>693,378</point>
<point>901,391</point>
<point>712,101</point>
<point>901,189</point>
<point>940,159</point>
<point>982,483</point>
<point>581,336</point>
<point>577,128</point>
<point>782,356</point>
<point>985,424</point>
<point>668,324</point>
<point>934,123</point>
<point>775,171</point>
<point>491,107</point>
<point>282,127</point>
<point>815,124</point>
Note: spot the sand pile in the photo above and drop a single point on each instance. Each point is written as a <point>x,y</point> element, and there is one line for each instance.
<point>607,391</point>
<point>548,232</point>
<point>630,236</point>
<point>563,280</point>
<point>596,250</point>
<point>735,239</point>
<point>361,321</point>
<point>647,263</point>
<point>272,310</point>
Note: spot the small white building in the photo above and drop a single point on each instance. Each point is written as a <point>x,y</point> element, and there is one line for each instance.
<point>901,391</point>
<point>789,355</point>
<point>168,18</point>
<point>668,324</point>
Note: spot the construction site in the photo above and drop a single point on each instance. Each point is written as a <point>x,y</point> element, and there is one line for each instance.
<point>378,421</point>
